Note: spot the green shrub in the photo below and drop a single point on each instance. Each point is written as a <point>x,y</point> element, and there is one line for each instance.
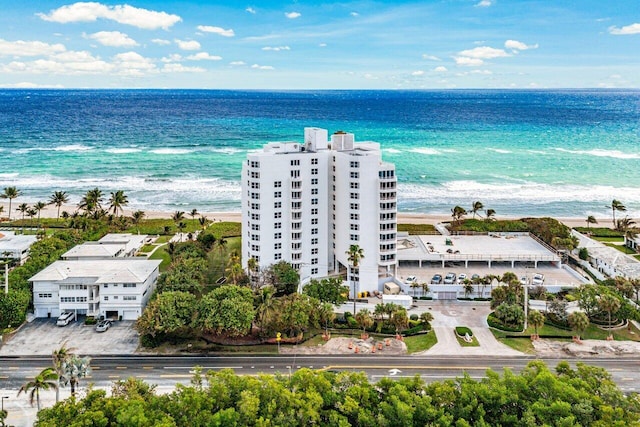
<point>90,320</point>
<point>414,316</point>
<point>583,254</point>
<point>494,322</point>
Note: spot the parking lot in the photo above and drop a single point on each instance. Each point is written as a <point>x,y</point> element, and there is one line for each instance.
<point>42,336</point>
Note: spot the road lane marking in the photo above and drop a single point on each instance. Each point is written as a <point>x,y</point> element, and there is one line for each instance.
<point>121,367</point>
<point>114,376</point>
<point>96,368</point>
<point>202,367</point>
<point>408,367</point>
<point>176,376</point>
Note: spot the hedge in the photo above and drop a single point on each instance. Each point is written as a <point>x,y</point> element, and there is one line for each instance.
<point>463,330</point>
<point>494,322</point>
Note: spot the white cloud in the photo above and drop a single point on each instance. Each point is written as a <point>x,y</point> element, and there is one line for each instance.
<point>468,62</point>
<point>251,10</point>
<point>484,3</point>
<point>322,45</point>
<point>216,30</point>
<point>174,57</point>
<point>123,14</point>
<point>133,64</point>
<point>370,76</point>
<point>440,69</point>
<point>516,45</point>
<point>293,15</point>
<point>262,67</point>
<point>237,63</point>
<point>112,38</point>
<point>29,85</point>
<point>161,42</point>
<point>31,48</point>
<point>67,63</point>
<point>484,52</point>
<point>626,30</point>
<point>417,73</point>
<point>354,14</point>
<point>179,68</point>
<point>276,48</point>
<point>430,57</point>
<point>484,72</point>
<point>187,44</point>
<point>204,56</point>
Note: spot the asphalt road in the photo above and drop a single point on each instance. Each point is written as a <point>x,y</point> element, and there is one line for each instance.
<point>170,370</point>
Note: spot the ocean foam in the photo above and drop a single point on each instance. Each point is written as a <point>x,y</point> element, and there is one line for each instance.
<point>427,151</point>
<point>122,150</point>
<point>72,147</point>
<point>171,151</point>
<point>616,154</point>
<point>500,150</point>
<point>227,150</point>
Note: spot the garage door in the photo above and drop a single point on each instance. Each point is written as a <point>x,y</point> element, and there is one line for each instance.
<point>447,295</point>
<point>129,314</point>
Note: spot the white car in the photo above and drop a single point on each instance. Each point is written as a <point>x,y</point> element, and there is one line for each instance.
<point>462,277</point>
<point>450,279</point>
<point>411,279</point>
<point>65,318</point>
<point>538,280</point>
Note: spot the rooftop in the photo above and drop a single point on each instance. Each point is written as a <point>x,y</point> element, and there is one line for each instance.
<point>11,242</point>
<point>117,270</point>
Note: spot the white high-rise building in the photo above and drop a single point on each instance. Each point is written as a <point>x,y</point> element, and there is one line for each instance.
<point>307,203</point>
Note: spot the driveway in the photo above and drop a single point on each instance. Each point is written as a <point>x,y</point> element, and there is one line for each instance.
<point>447,315</point>
<point>42,337</point>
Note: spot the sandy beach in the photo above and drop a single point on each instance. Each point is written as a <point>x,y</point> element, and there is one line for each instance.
<point>403,217</point>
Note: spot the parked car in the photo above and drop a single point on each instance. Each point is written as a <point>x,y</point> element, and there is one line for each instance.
<point>538,280</point>
<point>103,325</point>
<point>450,279</point>
<point>65,318</point>
<point>475,277</point>
<point>436,279</point>
<point>462,277</point>
<point>411,279</point>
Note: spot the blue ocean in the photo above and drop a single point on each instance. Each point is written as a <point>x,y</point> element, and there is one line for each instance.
<point>560,153</point>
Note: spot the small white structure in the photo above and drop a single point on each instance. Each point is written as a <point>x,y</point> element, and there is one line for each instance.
<point>15,246</point>
<point>110,246</point>
<point>608,260</point>
<point>114,288</point>
<point>401,300</point>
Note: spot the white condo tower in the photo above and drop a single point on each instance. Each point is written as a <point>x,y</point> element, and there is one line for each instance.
<point>306,203</point>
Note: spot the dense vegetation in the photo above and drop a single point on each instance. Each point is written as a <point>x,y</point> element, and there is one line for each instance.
<point>537,396</point>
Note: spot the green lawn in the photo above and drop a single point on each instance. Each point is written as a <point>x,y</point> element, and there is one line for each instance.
<point>420,342</point>
<point>622,248</point>
<point>162,254</point>
<point>463,343</point>
<point>417,228</point>
<point>147,248</point>
<point>613,239</point>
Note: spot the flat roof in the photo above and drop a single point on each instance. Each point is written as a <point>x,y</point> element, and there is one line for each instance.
<point>120,270</point>
<point>12,242</point>
<point>93,249</point>
<point>495,247</point>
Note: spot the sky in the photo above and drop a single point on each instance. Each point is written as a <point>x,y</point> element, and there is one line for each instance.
<point>231,44</point>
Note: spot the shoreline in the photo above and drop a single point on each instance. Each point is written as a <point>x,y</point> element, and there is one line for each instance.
<point>50,211</point>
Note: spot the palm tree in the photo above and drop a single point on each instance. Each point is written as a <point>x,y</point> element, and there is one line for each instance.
<point>24,208</point>
<point>38,207</point>
<point>490,215</point>
<point>181,226</point>
<point>414,285</point>
<point>58,198</point>
<point>537,320</point>
<point>10,193</point>
<point>193,213</point>
<point>364,320</point>
<point>579,322</point>
<point>610,304</point>
<point>31,213</point>
<point>222,244</point>
<point>425,288</point>
<point>457,212</point>
<point>468,287</point>
<point>177,216</point>
<point>45,380</point>
<point>235,272</point>
<point>326,315</point>
<point>354,254</point>
<point>1,210</point>
<point>252,267</point>
<point>203,222</point>
<point>399,319</point>
<point>117,202</point>
<point>136,217</point>
<point>91,202</point>
<point>59,357</point>
<point>426,317</point>
<point>616,205</point>
<point>625,224</point>
<point>74,368</point>
<point>591,220</point>
<point>477,206</point>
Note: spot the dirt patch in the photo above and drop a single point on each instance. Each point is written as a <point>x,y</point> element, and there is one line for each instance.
<point>586,348</point>
<point>341,346</point>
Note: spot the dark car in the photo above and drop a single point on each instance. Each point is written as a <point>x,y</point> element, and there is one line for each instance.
<point>436,279</point>
<point>103,325</point>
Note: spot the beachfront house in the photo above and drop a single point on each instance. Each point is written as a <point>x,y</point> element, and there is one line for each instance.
<point>117,288</point>
<point>110,246</point>
<point>15,246</point>
<point>307,202</point>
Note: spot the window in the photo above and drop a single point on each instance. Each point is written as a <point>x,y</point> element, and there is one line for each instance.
<point>355,196</point>
<point>314,191</point>
<point>255,185</point>
<point>314,221</point>
<point>314,251</point>
<point>255,196</point>
<point>277,215</point>
<point>277,235</point>
<point>354,206</point>
<point>314,271</point>
<point>277,225</point>
<point>255,217</point>
<point>354,185</point>
<point>314,161</point>
<point>129,285</point>
<point>296,205</point>
<point>255,248</point>
<point>277,184</point>
<point>277,246</point>
<point>296,185</point>
<point>314,211</point>
<point>277,205</point>
<point>314,231</point>
<point>354,216</point>
<point>106,297</point>
<point>354,237</point>
<point>354,175</point>
<point>314,181</point>
<point>129,298</point>
<point>296,257</point>
<point>277,256</point>
<point>314,261</point>
<point>296,236</point>
<point>314,171</point>
<point>115,297</point>
<point>295,162</point>
<point>277,194</point>
<point>255,227</point>
<point>354,227</point>
<point>255,237</point>
<point>354,164</point>
<point>254,164</point>
<point>255,175</point>
<point>255,206</point>
<point>106,285</point>
<point>296,194</point>
<point>45,296</point>
<point>314,201</point>
<point>295,174</point>
<point>314,241</point>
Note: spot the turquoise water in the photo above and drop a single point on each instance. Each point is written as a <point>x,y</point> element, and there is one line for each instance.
<point>562,153</point>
